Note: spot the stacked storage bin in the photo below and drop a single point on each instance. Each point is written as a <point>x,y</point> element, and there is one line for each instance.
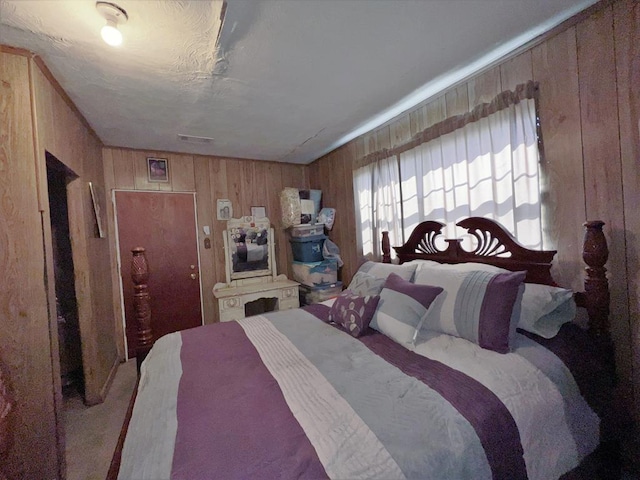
<point>318,277</point>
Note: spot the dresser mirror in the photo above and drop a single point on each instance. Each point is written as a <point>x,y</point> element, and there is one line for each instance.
<point>249,248</point>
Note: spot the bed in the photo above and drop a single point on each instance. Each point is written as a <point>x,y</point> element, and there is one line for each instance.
<point>317,393</point>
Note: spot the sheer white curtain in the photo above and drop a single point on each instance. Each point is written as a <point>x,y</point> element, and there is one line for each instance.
<point>484,163</point>
<point>487,168</point>
<point>377,193</point>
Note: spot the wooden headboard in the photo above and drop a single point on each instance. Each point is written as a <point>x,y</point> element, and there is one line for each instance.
<point>496,246</point>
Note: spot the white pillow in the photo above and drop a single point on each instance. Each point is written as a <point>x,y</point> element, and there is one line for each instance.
<point>383,270</point>
<point>545,309</point>
<point>420,264</point>
<point>364,284</point>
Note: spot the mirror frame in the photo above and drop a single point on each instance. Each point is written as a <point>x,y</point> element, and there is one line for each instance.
<point>248,222</point>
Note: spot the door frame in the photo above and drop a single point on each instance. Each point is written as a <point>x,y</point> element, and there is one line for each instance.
<point>116,234</point>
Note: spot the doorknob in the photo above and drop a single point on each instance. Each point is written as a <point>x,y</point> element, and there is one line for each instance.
<point>193,276</point>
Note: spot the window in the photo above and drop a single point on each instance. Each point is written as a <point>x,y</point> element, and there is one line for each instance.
<point>377,197</point>
<point>482,164</point>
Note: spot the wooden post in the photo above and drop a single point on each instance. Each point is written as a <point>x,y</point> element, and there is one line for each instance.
<point>386,248</point>
<point>595,254</point>
<point>141,304</point>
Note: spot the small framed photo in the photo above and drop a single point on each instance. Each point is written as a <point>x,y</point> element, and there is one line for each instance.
<point>258,212</point>
<point>225,209</point>
<point>157,169</point>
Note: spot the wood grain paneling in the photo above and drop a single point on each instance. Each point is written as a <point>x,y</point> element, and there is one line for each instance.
<point>401,130</point>
<point>555,67</point>
<point>182,173</point>
<point>111,159</point>
<point>276,184</point>
<point>383,137</point>
<point>516,71</point>
<point>416,121</point>
<point>25,348</point>
<point>484,87</point>
<point>435,111</point>
<point>65,135</point>
<point>626,21</point>
<point>219,190</point>
<point>206,213</point>
<point>123,168</point>
<point>601,148</point>
<point>457,100</point>
<point>369,140</point>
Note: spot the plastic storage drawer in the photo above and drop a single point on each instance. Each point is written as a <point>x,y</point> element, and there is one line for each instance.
<point>307,249</point>
<point>314,274</point>
<point>301,231</point>
<point>310,295</point>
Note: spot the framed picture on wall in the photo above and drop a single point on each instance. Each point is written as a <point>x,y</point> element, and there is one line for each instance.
<point>225,209</point>
<point>97,210</point>
<point>258,212</point>
<point>157,169</point>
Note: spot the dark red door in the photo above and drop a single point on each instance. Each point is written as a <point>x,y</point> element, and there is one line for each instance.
<point>164,224</point>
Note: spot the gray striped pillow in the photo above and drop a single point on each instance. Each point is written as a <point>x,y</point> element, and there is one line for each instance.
<point>481,306</point>
<point>402,308</point>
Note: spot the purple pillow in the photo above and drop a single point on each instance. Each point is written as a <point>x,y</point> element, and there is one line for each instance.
<point>353,312</point>
<point>402,309</point>
<point>482,307</point>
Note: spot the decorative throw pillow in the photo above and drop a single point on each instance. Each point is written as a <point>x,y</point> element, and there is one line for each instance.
<point>353,312</point>
<point>479,306</point>
<point>364,284</point>
<point>545,309</point>
<point>382,270</point>
<point>402,308</point>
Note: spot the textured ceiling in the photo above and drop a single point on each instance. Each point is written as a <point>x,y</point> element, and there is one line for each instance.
<point>284,80</point>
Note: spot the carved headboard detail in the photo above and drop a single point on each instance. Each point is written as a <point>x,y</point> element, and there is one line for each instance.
<point>495,246</point>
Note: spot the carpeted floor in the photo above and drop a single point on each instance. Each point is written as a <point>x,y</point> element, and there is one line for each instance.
<point>92,432</point>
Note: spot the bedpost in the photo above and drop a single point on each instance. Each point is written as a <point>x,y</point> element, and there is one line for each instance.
<point>595,254</point>
<point>141,300</point>
<point>386,248</point>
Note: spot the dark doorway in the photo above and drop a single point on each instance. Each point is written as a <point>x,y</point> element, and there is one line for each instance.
<point>58,176</point>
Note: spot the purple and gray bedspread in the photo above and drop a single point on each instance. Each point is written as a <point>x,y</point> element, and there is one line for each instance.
<point>286,395</point>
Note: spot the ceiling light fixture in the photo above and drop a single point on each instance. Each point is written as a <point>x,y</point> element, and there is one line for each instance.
<point>114,15</point>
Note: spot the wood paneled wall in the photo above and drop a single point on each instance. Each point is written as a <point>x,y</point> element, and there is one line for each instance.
<point>25,349</point>
<point>63,133</point>
<point>246,183</point>
<point>37,117</point>
<point>589,109</point>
